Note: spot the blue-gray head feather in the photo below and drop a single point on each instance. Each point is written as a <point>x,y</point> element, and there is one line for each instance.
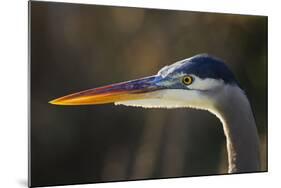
<point>203,66</point>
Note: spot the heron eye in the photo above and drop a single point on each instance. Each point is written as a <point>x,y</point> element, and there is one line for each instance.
<point>187,80</point>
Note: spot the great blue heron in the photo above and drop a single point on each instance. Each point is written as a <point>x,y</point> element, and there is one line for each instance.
<point>201,82</point>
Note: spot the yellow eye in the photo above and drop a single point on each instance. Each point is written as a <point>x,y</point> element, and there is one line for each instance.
<point>187,80</point>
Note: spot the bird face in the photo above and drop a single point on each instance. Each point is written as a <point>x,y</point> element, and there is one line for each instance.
<point>193,82</point>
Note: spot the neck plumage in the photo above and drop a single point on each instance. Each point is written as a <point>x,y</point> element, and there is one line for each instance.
<point>234,111</point>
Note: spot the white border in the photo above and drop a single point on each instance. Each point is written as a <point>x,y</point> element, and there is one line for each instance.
<point>237,6</point>
<point>13,93</point>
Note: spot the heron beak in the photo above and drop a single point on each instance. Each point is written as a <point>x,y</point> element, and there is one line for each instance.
<point>131,90</point>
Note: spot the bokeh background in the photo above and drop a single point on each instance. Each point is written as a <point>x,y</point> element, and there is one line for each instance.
<point>76,47</point>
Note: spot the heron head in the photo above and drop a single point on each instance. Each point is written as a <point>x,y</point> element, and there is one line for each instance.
<point>192,82</point>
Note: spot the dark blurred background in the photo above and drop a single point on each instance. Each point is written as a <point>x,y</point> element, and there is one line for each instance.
<point>76,47</point>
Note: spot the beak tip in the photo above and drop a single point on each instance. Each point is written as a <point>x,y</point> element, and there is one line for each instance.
<point>54,102</point>
<point>51,102</point>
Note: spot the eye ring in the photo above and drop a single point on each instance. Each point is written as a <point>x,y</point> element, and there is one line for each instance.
<point>187,80</point>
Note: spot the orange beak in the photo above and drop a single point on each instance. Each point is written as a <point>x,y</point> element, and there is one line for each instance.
<point>131,90</point>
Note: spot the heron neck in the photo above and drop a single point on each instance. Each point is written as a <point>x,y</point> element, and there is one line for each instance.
<point>234,111</point>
